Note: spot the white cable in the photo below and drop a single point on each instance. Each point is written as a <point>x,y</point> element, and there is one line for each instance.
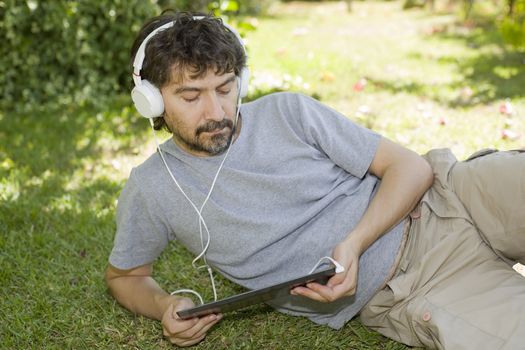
<point>188,291</point>
<point>201,219</point>
<point>338,267</point>
<point>202,222</point>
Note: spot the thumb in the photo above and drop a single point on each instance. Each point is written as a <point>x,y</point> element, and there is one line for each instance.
<point>172,314</point>
<point>336,279</point>
<point>167,321</point>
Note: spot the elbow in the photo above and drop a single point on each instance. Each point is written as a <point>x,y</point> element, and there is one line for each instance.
<point>427,174</point>
<point>109,279</point>
<point>117,288</point>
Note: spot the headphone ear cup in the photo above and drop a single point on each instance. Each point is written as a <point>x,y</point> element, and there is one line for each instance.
<point>147,99</point>
<point>245,77</point>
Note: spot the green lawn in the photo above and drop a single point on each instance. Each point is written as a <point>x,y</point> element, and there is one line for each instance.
<point>430,82</point>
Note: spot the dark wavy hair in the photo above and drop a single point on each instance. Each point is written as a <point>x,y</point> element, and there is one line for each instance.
<point>191,46</point>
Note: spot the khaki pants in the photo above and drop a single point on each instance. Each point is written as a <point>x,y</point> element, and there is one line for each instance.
<point>454,287</point>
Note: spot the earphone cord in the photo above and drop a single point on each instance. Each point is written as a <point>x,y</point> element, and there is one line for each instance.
<point>338,267</point>
<point>202,222</point>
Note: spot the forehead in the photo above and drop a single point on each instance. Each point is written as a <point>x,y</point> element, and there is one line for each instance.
<point>180,76</point>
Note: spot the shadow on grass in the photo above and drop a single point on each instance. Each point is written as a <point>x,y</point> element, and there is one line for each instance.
<point>495,76</point>
<point>495,72</point>
<point>56,137</point>
<point>45,150</point>
<point>45,162</point>
<point>56,215</point>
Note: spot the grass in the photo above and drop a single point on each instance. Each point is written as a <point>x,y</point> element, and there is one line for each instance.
<point>430,79</point>
<point>430,82</point>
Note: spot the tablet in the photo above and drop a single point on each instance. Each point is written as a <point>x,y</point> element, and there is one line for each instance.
<point>255,296</point>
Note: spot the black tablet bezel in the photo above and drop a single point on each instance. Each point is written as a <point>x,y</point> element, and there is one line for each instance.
<point>255,296</point>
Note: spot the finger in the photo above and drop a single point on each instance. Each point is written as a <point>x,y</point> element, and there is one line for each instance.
<point>178,326</point>
<point>336,279</point>
<point>332,293</point>
<point>192,341</point>
<point>185,342</point>
<point>170,310</point>
<point>201,323</point>
<point>327,293</point>
<point>207,327</point>
<point>349,285</point>
<point>173,325</point>
<point>347,288</point>
<point>184,303</point>
<point>195,338</point>
<point>308,293</point>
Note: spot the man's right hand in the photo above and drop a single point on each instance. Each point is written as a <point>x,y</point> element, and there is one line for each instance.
<point>186,332</point>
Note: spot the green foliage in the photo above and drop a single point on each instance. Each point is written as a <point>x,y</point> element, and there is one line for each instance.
<point>66,50</point>
<point>408,4</point>
<point>238,7</point>
<point>185,5</point>
<point>512,27</point>
<point>309,0</point>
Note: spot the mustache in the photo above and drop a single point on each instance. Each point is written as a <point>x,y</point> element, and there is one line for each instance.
<point>214,125</point>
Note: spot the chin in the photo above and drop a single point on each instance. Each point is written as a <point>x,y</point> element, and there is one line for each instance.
<point>218,143</point>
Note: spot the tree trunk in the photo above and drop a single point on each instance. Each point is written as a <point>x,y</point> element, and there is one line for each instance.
<point>468,7</point>
<point>348,5</point>
<point>511,7</point>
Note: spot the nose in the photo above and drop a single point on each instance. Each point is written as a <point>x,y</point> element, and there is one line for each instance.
<point>213,108</point>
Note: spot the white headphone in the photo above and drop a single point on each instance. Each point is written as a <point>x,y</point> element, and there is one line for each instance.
<point>147,97</point>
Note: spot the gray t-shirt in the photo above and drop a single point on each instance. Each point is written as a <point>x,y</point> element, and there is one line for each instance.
<point>293,186</point>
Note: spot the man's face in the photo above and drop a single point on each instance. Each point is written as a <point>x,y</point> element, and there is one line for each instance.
<point>200,112</point>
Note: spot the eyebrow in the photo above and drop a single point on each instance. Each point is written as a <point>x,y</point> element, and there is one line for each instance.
<point>190,88</point>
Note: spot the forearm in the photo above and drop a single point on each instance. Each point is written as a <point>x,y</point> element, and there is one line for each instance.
<point>405,177</point>
<point>139,294</point>
<point>402,185</point>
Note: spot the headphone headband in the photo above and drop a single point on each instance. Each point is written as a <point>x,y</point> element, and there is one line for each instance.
<point>147,97</point>
<point>141,52</point>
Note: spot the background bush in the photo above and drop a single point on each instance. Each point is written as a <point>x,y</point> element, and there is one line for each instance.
<point>71,51</point>
<point>66,50</point>
<point>240,7</point>
<point>512,27</point>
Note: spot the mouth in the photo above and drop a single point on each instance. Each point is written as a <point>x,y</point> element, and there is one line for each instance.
<point>215,131</point>
<point>215,128</point>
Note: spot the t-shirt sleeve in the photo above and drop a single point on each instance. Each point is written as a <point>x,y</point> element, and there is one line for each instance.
<point>141,233</point>
<point>347,144</point>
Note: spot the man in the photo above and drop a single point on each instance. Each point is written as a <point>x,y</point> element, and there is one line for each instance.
<point>280,182</point>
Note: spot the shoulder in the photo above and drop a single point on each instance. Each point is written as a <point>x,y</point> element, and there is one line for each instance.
<point>287,107</point>
<point>146,174</point>
<point>147,169</point>
<point>278,100</point>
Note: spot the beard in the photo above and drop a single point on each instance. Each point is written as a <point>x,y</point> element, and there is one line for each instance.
<point>211,144</point>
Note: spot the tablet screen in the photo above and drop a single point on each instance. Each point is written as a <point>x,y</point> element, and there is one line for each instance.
<point>255,296</point>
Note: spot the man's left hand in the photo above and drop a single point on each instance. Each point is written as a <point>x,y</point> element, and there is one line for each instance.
<point>342,284</point>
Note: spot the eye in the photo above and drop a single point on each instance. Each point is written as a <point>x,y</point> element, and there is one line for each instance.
<point>224,92</point>
<point>191,98</point>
